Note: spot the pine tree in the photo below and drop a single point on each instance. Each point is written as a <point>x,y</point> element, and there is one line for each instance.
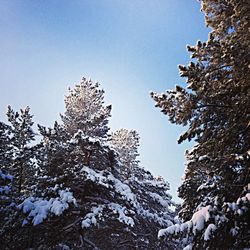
<point>151,192</point>
<point>85,110</point>
<point>81,199</point>
<point>126,143</point>
<point>5,146</point>
<point>18,171</point>
<point>21,135</point>
<point>215,106</point>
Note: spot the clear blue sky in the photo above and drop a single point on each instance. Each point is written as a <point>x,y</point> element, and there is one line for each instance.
<point>130,46</point>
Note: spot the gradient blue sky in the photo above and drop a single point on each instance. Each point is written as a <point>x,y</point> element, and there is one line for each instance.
<point>130,46</point>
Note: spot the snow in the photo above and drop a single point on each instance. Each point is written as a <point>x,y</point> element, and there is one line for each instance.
<point>126,193</point>
<point>165,231</point>
<point>39,208</point>
<point>159,199</point>
<point>154,217</point>
<point>239,157</point>
<point>120,187</point>
<point>67,196</point>
<point>90,218</point>
<point>58,206</point>
<point>174,229</point>
<point>156,183</point>
<point>5,189</point>
<point>240,212</point>
<point>123,189</point>
<point>121,211</point>
<point>98,214</point>
<point>95,176</point>
<point>211,228</point>
<point>25,222</point>
<point>203,157</point>
<point>206,186</point>
<point>234,231</point>
<point>6,176</point>
<point>80,134</point>
<point>248,196</point>
<point>188,247</point>
<point>238,207</point>
<point>196,223</point>
<point>200,217</point>
<point>63,247</point>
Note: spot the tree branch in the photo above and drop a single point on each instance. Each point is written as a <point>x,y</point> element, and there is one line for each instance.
<point>90,243</point>
<point>213,105</point>
<point>72,224</point>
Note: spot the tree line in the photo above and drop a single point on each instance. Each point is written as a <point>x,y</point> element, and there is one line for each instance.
<point>78,186</point>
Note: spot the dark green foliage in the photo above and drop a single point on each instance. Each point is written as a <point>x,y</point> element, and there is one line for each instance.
<point>215,106</point>
<point>20,136</point>
<point>68,190</point>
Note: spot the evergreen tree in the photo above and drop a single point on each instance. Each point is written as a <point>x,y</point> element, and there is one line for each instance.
<point>151,192</point>
<point>126,143</point>
<point>7,212</point>
<point>5,146</point>
<point>85,110</point>
<point>215,105</point>
<point>21,135</point>
<point>81,200</point>
<point>71,192</point>
<point>18,170</point>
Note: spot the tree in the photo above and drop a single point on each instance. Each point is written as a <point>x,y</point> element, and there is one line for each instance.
<point>5,147</point>
<point>151,192</point>
<point>126,143</point>
<point>215,106</point>
<point>18,170</point>
<point>80,199</point>
<point>85,110</point>
<point>20,136</point>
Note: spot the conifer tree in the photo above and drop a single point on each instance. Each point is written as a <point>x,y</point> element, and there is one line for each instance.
<point>85,110</point>
<point>21,135</point>
<point>126,143</point>
<point>215,106</point>
<point>5,147</point>
<point>81,200</point>
<point>17,171</point>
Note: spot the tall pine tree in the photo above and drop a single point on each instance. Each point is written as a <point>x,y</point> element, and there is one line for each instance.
<point>215,105</point>
<point>21,135</point>
<point>85,110</point>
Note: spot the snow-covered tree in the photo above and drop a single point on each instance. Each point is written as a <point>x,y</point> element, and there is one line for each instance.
<point>79,197</point>
<point>17,171</point>
<point>21,135</point>
<point>7,213</point>
<point>215,106</point>
<point>85,110</point>
<point>151,192</point>
<point>126,143</point>
<point>5,146</point>
<point>90,205</point>
<point>81,193</point>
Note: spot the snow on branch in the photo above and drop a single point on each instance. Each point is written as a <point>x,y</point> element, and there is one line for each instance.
<point>110,181</point>
<point>39,208</point>
<point>98,213</point>
<point>6,176</point>
<point>201,219</point>
<point>126,194</point>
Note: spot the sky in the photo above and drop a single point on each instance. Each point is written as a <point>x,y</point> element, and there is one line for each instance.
<point>131,47</point>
